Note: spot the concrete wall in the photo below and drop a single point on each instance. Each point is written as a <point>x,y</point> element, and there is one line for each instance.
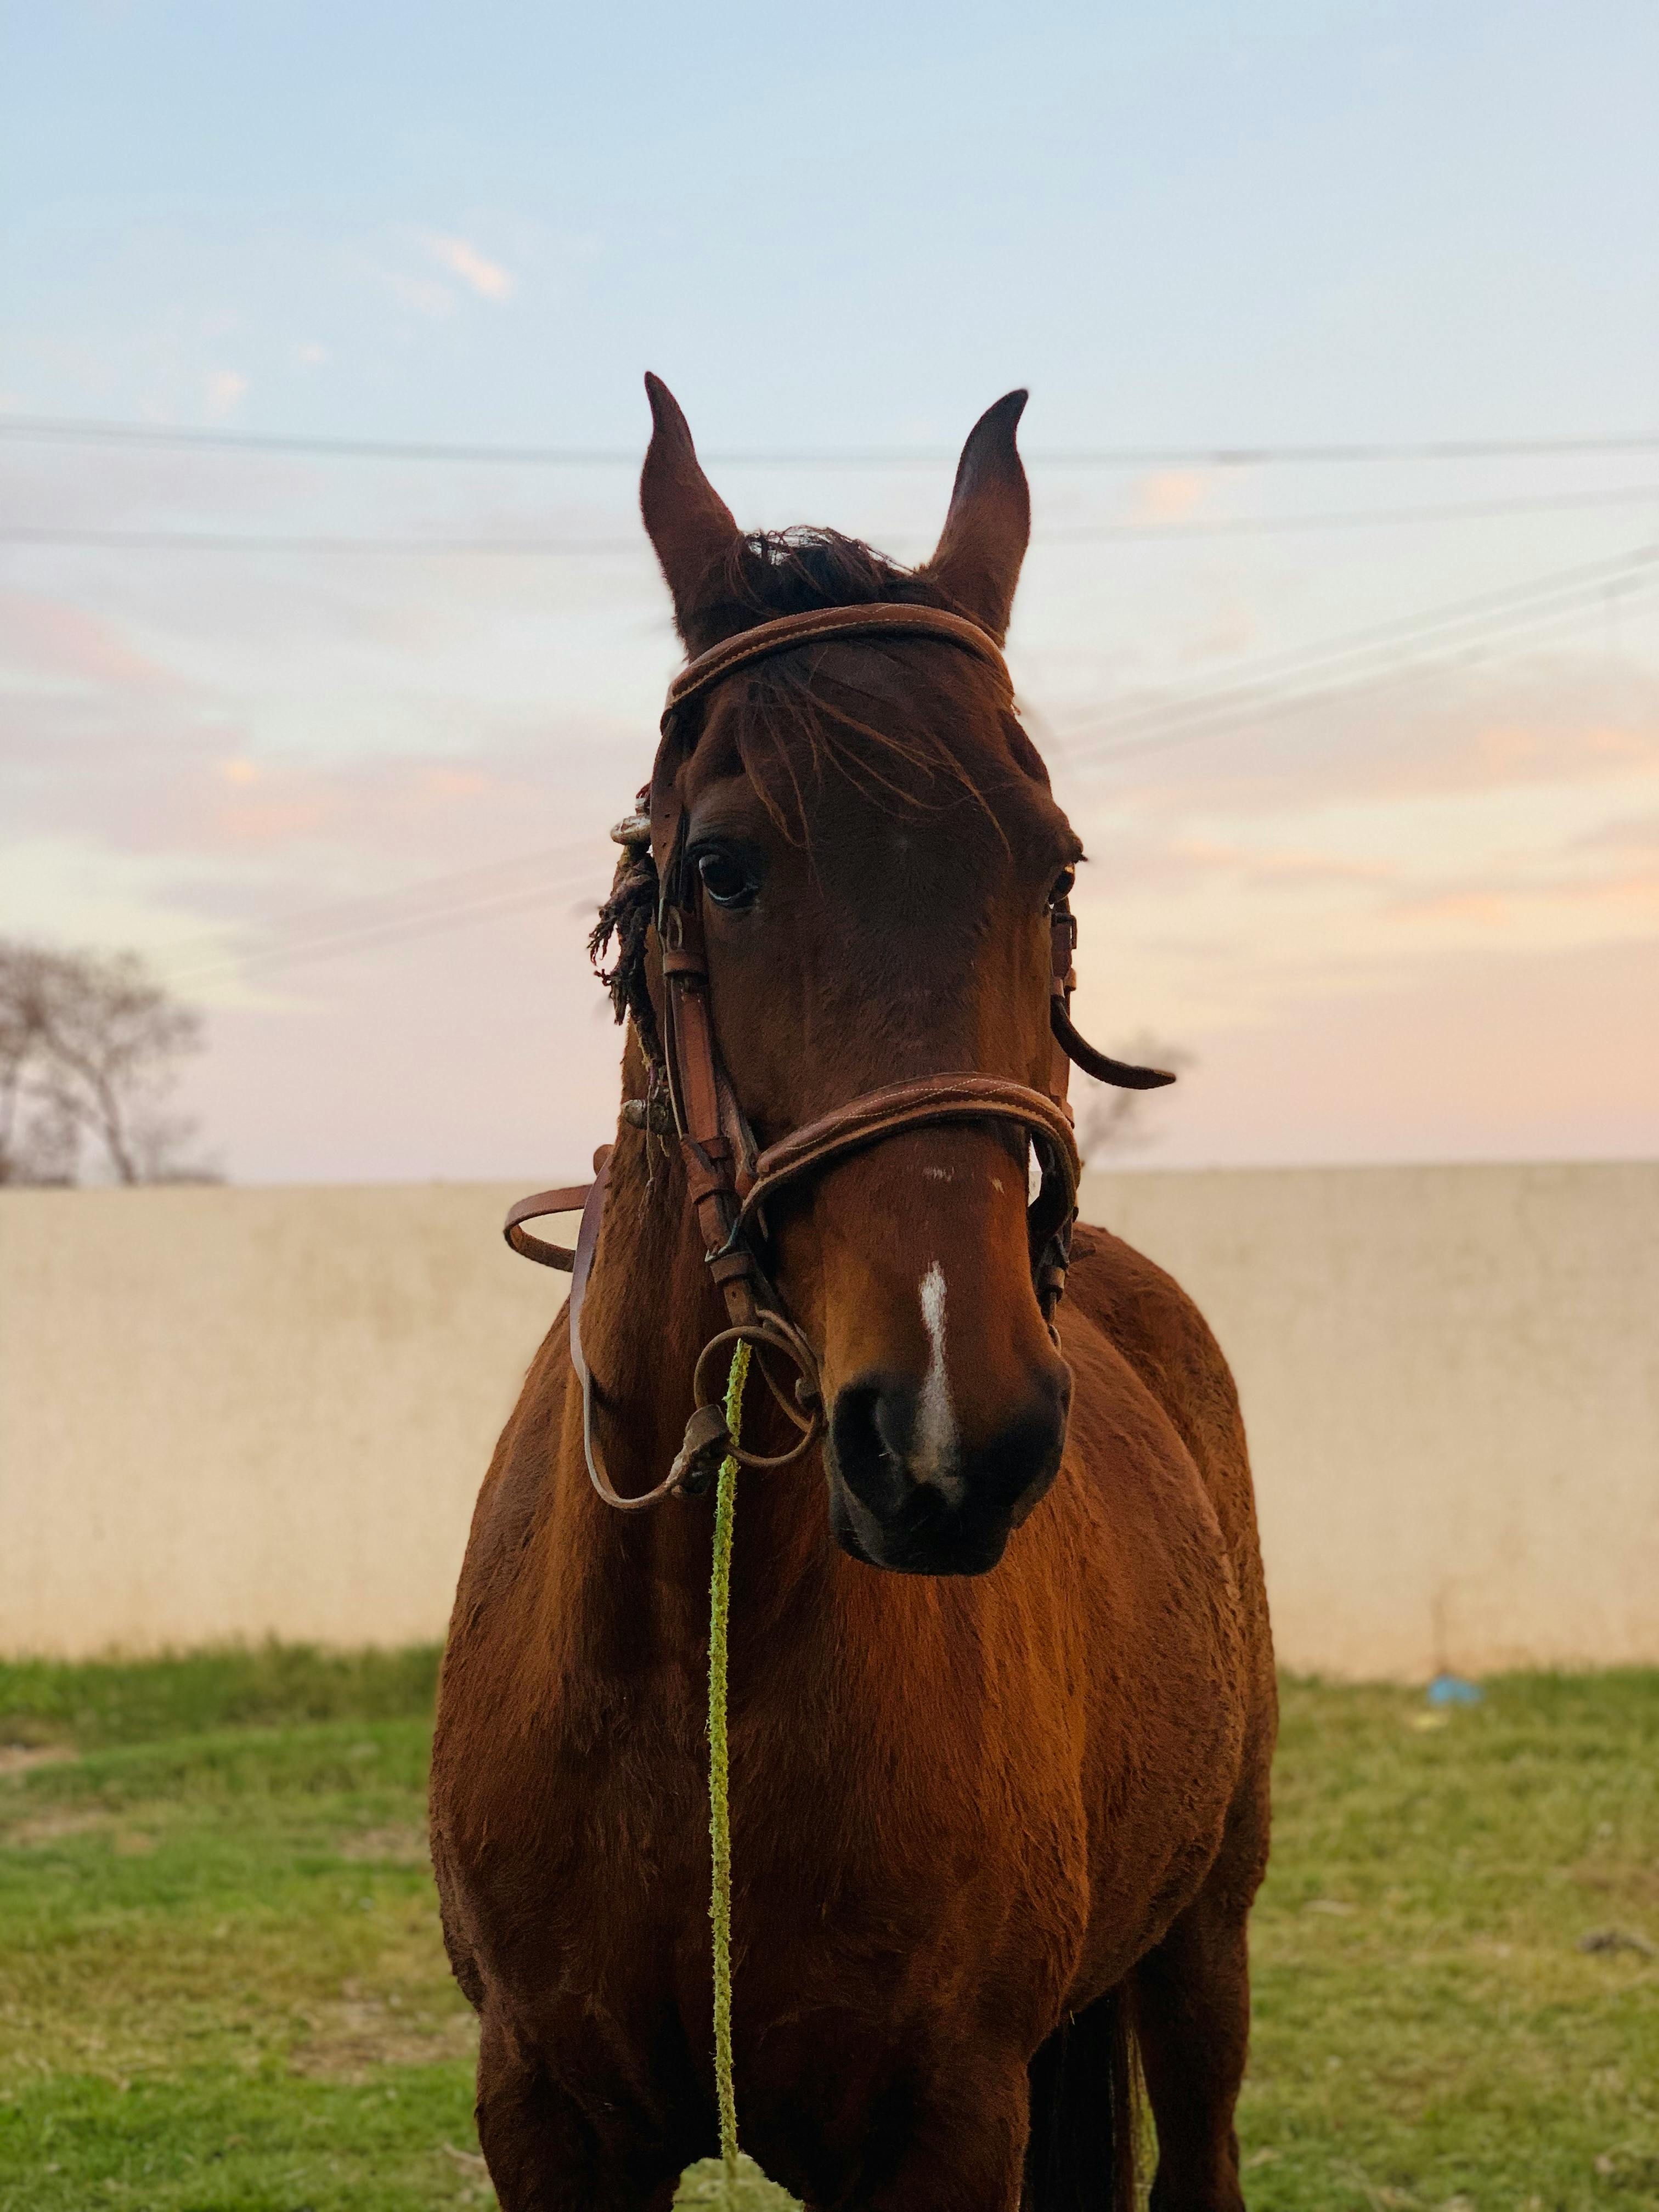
<point>1450,1378</point>
<point>231,1412</point>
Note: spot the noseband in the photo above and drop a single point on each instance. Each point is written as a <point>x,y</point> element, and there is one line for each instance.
<point>729,1180</point>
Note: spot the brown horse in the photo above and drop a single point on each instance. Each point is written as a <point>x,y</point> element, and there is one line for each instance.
<point>997,1817</point>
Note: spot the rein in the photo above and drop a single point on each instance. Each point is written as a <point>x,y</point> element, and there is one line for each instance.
<point>729,1179</point>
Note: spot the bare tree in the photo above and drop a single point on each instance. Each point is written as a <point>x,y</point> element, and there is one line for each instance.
<point>1109,1120</point>
<point>90,1045</point>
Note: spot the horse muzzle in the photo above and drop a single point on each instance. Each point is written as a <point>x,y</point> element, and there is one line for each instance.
<point>906,1498</point>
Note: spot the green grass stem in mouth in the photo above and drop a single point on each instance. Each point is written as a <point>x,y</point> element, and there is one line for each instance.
<point>221,1988</point>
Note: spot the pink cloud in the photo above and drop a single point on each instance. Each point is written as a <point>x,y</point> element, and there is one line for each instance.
<point>1499,904</point>
<point>1570,722</point>
<point>1169,495</point>
<point>52,638</point>
<point>1268,869</point>
<point>1639,833</point>
<point>462,259</point>
<point>227,388</point>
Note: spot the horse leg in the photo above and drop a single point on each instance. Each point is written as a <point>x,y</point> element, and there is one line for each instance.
<point>542,2152</point>
<point>1193,2023</point>
<point>1081,2150</point>
<point>965,2152</point>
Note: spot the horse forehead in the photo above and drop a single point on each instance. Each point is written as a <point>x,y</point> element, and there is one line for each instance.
<point>901,695</point>
<point>879,818</point>
<point>898,859</point>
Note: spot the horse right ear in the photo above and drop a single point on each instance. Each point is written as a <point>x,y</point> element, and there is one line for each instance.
<point>977,561</point>
<point>686,520</point>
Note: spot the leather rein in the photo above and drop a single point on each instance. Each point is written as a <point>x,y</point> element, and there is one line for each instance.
<point>729,1179</point>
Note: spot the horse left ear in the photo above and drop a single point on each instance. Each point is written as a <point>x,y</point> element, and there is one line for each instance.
<point>977,561</point>
<point>686,520</point>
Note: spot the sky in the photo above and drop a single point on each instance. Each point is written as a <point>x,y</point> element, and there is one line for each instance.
<point>1365,751</point>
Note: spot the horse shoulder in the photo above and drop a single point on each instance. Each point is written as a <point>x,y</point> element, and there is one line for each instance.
<point>513,1494</point>
<point>1160,1331</point>
<point>483,1684</point>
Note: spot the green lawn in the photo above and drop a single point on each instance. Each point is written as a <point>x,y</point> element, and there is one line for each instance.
<point>222,1985</point>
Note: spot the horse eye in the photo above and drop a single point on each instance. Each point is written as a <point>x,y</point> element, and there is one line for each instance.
<point>1064,884</point>
<point>727,881</point>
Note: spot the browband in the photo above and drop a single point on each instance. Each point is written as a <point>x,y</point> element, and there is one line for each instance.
<point>884,619</point>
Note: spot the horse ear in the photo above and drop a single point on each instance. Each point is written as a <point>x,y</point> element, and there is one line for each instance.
<point>686,520</point>
<point>977,561</point>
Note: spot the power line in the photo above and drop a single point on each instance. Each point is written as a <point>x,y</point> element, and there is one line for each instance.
<point>372,936</point>
<point>434,899</point>
<point>1355,518</point>
<point>225,541</point>
<point>308,922</point>
<point>1293,659</point>
<point>1588,582</point>
<point>195,541</point>
<point>67,430</point>
<point>1269,705</point>
<point>1261,704</point>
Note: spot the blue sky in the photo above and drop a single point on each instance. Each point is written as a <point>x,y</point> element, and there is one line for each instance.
<point>1280,222</point>
<point>1190,227</point>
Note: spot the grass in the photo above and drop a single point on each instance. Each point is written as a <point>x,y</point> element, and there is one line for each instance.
<point>222,1985</point>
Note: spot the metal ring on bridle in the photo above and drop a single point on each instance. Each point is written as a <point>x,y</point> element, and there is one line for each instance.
<point>770,1332</point>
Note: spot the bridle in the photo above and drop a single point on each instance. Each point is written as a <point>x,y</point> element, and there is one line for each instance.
<point>730,1181</point>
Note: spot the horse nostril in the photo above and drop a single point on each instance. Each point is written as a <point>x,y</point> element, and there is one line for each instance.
<point>892,1505</point>
<point>870,1430</point>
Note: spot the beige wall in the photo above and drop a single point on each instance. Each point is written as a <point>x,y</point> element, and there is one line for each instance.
<point>231,1412</point>
<point>1450,1378</point>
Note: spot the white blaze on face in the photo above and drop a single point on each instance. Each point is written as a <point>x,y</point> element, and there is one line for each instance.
<point>933,1456</point>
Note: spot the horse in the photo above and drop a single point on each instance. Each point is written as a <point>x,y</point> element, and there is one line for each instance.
<point>1002,1700</point>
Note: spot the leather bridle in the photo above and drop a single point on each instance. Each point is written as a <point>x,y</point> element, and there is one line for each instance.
<point>729,1179</point>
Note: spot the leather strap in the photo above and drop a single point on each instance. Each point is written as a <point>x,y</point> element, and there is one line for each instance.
<point>882,1113</point>
<point>569,1200</point>
<point>1123,1073</point>
<point>881,619</point>
<point>1062,981</point>
<point>674,1481</point>
<point>578,1265</point>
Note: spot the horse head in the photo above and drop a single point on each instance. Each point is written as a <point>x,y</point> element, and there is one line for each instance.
<point>876,854</point>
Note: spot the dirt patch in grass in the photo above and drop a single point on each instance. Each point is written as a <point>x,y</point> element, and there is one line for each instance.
<point>1635,1888</point>
<point>395,1844</point>
<point>24,1758</point>
<point>52,1828</point>
<point>351,2039</point>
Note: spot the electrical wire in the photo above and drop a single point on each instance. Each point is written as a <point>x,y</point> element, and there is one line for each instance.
<point>1354,518</point>
<point>1587,582</point>
<point>1270,706</point>
<point>194,541</point>
<point>373,906</point>
<point>226,541</point>
<point>67,430</point>
<point>373,936</point>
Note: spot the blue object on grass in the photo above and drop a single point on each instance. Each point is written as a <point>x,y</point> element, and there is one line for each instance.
<point>1453,1690</point>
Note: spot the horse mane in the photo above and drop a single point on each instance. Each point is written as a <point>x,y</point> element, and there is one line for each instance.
<point>790,735</point>
<point>768,573</point>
